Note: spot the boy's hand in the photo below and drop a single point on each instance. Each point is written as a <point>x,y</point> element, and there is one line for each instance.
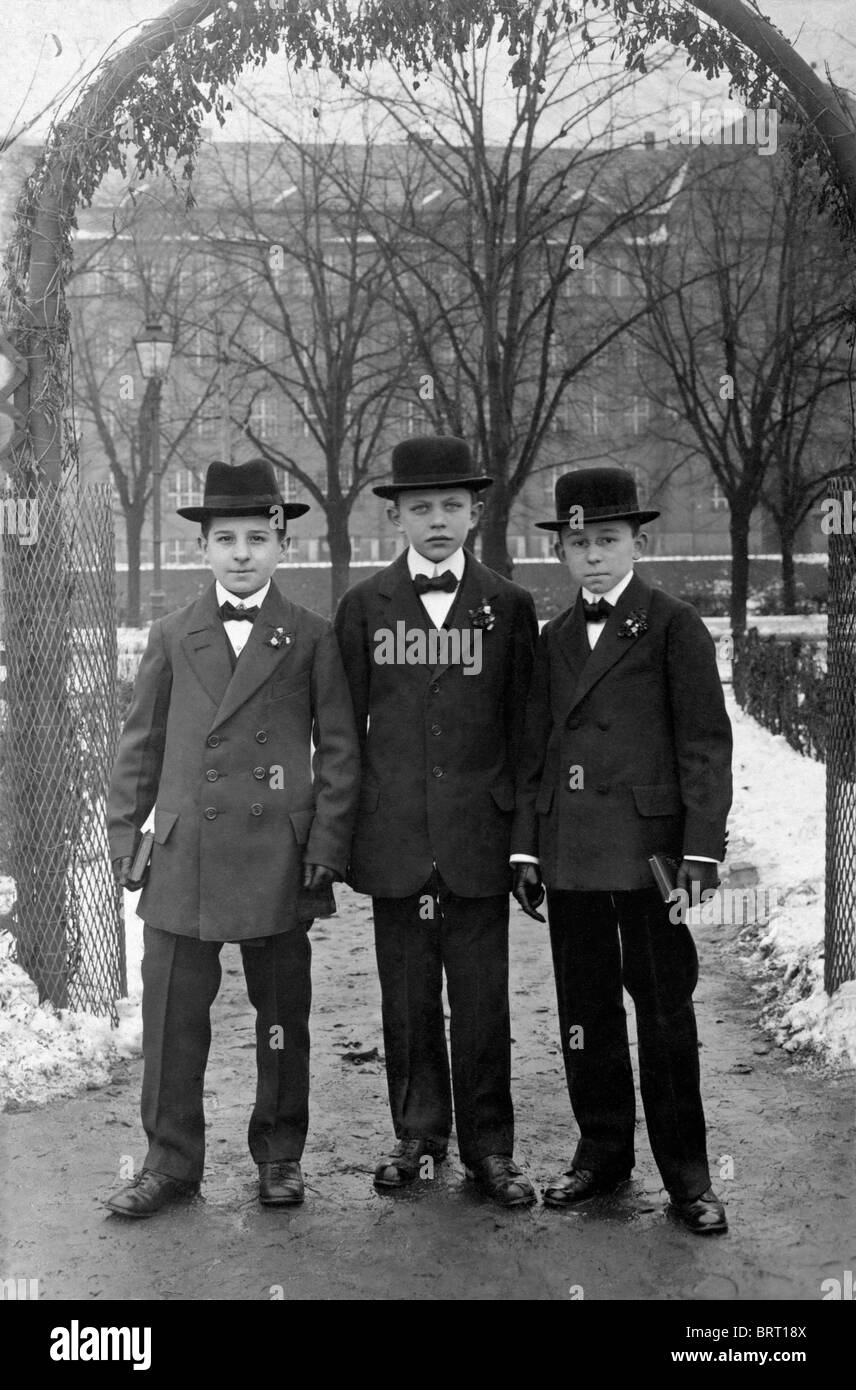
<point>317,876</point>
<point>699,880</point>
<point>528,889</point>
<point>121,870</point>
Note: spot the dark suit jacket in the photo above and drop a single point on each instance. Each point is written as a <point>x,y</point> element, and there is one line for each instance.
<point>644,719</point>
<point>205,744</point>
<point>439,747</point>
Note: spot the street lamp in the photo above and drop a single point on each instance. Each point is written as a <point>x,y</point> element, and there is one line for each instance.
<point>154,350</point>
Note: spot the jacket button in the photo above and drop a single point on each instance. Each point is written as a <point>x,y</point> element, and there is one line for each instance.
<point>602,790</point>
<point>574,723</point>
<point>259,773</point>
<point>210,813</point>
<point>435,688</point>
<point>436,730</point>
<point>261,736</point>
<point>255,809</point>
<point>437,771</point>
<point>603,724</point>
<point>211,775</point>
<point>213,740</point>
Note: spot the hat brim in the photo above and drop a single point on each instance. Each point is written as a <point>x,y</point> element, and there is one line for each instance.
<point>290,510</point>
<point>641,517</point>
<point>391,490</point>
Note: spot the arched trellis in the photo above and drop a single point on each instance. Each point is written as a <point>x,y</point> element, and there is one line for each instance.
<point>152,97</point>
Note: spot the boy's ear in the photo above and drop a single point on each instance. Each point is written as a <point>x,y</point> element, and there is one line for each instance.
<point>477,509</point>
<point>558,548</point>
<point>640,544</point>
<point>394,515</point>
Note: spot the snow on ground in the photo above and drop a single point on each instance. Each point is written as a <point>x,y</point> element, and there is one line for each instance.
<point>776,825</point>
<point>46,1053</point>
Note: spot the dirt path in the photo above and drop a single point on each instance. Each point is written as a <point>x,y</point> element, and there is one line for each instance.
<point>788,1128</point>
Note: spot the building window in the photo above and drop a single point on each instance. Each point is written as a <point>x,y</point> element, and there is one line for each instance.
<point>263,418</point>
<point>639,414</point>
<point>718,499</point>
<point>206,425</point>
<point>184,488</point>
<point>177,551</point>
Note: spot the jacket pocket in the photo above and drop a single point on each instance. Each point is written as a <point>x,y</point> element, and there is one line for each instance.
<point>664,800</point>
<point>503,794</point>
<point>544,799</point>
<point>301,824</point>
<point>164,821</point>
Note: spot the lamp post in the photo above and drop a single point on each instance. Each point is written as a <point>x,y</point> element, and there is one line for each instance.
<point>154,350</point>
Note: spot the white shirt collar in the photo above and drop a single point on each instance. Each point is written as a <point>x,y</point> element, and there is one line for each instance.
<point>612,595</point>
<point>248,600</point>
<point>417,564</point>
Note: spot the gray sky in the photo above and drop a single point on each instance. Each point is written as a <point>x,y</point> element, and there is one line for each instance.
<point>34,69</point>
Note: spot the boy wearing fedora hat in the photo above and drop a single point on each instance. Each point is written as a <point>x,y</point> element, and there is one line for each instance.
<point>440,736</point>
<point>626,755</point>
<point>250,829</point>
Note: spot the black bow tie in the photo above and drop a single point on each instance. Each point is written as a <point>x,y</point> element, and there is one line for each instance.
<point>230,614</point>
<point>426,585</point>
<point>596,612</point>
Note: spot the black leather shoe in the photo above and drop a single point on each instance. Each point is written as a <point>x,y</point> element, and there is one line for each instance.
<point>499,1178</point>
<point>148,1193</point>
<point>578,1184</point>
<point>704,1215</point>
<point>402,1165</point>
<point>281,1183</point>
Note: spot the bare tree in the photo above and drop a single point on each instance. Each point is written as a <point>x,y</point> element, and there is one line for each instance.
<point>145,269</point>
<point>318,360</point>
<point>744,343</point>
<point>499,255</point>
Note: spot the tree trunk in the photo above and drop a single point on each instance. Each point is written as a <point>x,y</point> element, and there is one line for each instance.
<point>133,533</point>
<point>739,531</point>
<point>789,573</point>
<point>494,530</point>
<point>339,541</point>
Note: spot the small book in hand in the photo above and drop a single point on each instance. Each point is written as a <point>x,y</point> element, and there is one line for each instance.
<point>665,871</point>
<point>140,862</point>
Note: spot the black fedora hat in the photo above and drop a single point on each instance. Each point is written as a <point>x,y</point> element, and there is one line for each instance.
<point>242,489</point>
<point>605,494</point>
<point>432,460</point>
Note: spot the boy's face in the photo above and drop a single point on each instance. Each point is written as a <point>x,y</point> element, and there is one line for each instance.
<point>243,551</point>
<point>601,553</point>
<point>435,522</point>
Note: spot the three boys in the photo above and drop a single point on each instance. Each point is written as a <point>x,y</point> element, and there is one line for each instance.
<point>626,753</point>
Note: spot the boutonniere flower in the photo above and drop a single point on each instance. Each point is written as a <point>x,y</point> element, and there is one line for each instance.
<point>634,624</point>
<point>279,638</point>
<point>483,616</point>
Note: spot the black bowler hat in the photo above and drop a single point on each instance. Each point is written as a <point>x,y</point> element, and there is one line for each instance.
<point>432,460</point>
<point>245,489</point>
<point>605,494</point>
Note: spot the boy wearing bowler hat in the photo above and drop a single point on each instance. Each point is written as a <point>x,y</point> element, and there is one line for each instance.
<point>438,652</point>
<point>626,755</point>
<point>250,829</point>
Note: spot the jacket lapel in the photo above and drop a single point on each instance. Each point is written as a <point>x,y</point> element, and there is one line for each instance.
<point>610,647</point>
<point>478,583</point>
<point>259,659</point>
<point>204,646</point>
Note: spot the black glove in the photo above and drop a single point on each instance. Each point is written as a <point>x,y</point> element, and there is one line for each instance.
<point>699,880</point>
<point>121,869</point>
<point>528,889</point>
<point>317,876</point>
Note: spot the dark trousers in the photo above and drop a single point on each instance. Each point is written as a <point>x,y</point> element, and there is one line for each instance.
<point>416,938</point>
<point>600,942</point>
<point>181,976</point>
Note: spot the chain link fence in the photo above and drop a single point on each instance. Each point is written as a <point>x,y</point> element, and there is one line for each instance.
<point>59,732</point>
<point>840,927</point>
